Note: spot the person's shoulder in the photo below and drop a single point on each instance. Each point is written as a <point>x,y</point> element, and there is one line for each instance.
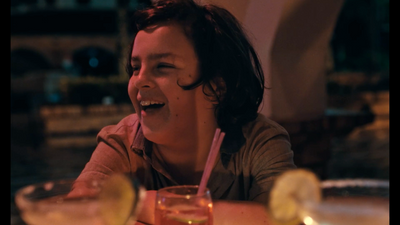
<point>265,126</point>
<point>129,120</point>
<point>128,124</point>
<point>266,136</point>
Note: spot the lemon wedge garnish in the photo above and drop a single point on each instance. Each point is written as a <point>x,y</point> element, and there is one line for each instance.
<point>291,189</point>
<point>117,199</point>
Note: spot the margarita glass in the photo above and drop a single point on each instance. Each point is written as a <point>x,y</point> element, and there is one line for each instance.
<point>349,202</point>
<point>109,202</point>
<point>299,197</point>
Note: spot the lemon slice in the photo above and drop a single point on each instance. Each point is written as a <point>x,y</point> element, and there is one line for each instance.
<point>117,199</point>
<point>290,190</point>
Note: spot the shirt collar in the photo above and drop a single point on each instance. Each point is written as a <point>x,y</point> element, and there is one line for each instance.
<point>231,144</point>
<point>140,144</point>
<point>221,172</point>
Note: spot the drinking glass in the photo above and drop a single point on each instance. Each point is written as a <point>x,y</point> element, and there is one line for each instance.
<point>181,205</point>
<point>350,202</point>
<point>47,203</point>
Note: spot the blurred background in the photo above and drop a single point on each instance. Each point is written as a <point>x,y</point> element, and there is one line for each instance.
<point>68,81</point>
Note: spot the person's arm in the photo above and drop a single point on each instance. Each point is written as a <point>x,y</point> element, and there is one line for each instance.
<point>112,153</point>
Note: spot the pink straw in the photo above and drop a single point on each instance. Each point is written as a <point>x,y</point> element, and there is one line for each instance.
<point>212,155</point>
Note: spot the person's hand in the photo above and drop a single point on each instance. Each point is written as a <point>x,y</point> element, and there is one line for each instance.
<point>146,213</point>
<point>82,189</point>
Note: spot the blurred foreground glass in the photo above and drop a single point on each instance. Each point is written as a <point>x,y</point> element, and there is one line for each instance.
<point>181,205</point>
<point>350,202</point>
<point>47,204</point>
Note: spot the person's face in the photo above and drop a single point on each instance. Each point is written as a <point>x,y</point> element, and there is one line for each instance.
<point>162,58</point>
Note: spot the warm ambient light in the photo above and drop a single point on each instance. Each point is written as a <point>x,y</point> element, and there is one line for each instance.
<point>308,220</point>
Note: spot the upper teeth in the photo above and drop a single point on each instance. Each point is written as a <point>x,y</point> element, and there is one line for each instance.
<point>147,103</point>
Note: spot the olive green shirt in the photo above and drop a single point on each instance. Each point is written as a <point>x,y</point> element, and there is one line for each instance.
<point>243,172</point>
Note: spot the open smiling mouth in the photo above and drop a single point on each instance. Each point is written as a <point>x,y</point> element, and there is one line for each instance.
<point>151,105</point>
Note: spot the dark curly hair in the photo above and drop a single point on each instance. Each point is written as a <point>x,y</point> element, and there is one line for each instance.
<point>224,52</point>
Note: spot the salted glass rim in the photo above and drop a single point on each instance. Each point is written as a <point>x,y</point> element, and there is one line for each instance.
<point>166,190</point>
<point>355,182</point>
<point>49,184</point>
<point>25,196</point>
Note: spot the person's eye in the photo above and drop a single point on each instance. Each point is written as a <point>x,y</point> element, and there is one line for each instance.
<point>135,70</point>
<point>165,67</point>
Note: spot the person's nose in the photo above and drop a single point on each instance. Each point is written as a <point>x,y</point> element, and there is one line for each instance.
<point>144,79</point>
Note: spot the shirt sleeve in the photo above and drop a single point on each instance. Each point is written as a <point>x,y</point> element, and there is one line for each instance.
<point>270,155</point>
<point>268,165</point>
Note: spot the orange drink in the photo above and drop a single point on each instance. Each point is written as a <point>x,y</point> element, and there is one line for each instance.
<point>181,205</point>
